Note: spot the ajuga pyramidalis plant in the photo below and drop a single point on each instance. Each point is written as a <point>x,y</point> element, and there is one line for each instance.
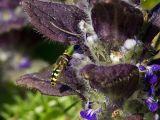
<point>110,63</point>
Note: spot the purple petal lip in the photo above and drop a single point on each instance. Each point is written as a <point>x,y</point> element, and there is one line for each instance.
<point>150,76</point>
<point>152,105</point>
<point>155,67</point>
<point>88,114</point>
<point>153,79</point>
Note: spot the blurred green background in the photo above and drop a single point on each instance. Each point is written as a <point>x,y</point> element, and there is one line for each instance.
<point>21,104</point>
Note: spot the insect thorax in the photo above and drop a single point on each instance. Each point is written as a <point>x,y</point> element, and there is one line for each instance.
<point>59,66</point>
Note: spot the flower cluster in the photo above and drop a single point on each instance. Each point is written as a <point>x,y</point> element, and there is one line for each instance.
<point>152,79</point>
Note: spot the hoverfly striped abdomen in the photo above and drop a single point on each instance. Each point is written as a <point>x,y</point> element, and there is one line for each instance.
<point>60,64</point>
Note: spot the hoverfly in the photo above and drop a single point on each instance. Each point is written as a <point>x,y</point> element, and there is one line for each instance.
<point>60,64</point>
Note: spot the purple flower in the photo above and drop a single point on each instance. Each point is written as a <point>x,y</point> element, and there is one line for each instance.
<point>88,114</point>
<point>152,105</point>
<point>153,79</point>
<point>24,63</point>
<point>141,68</point>
<point>155,67</point>
<point>150,75</point>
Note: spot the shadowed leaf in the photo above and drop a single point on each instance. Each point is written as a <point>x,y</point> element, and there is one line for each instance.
<point>154,25</point>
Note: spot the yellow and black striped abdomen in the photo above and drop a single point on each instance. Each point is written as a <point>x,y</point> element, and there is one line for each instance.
<point>60,64</point>
<point>58,68</point>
